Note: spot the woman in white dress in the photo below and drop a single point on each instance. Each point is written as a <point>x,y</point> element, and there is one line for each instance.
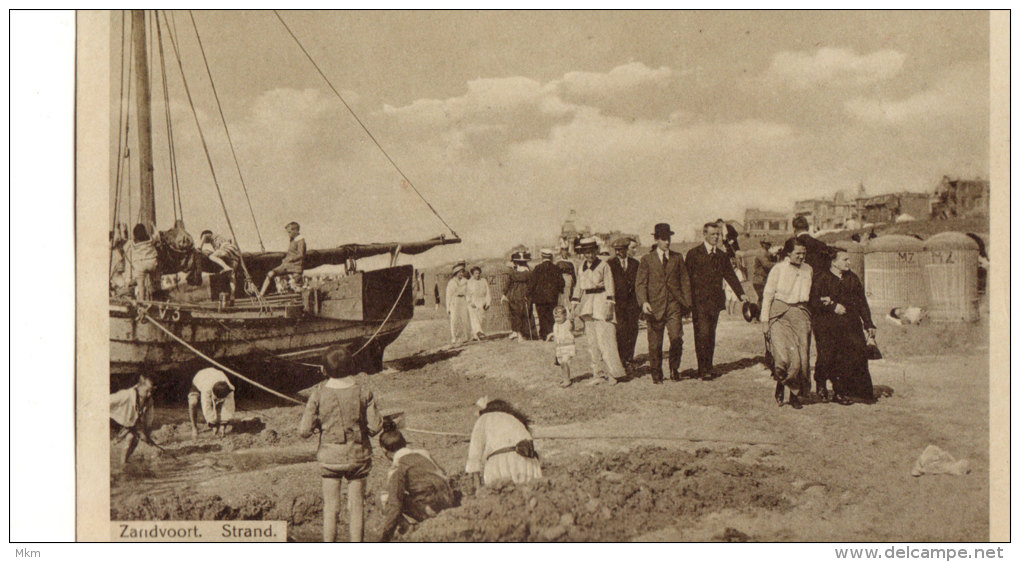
<point>786,322</point>
<point>479,300</point>
<point>501,446</point>
<point>457,306</point>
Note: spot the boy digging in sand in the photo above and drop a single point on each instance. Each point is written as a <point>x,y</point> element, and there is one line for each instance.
<point>564,339</point>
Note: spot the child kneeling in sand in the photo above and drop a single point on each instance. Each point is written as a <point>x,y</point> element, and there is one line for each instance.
<point>564,339</point>
<point>345,414</point>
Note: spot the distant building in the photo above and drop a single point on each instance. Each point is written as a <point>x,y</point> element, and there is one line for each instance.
<point>764,223</point>
<point>570,232</point>
<point>885,208</point>
<point>842,211</point>
<point>818,212</point>
<point>960,198</point>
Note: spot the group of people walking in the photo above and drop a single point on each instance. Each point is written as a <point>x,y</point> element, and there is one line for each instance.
<point>813,290</point>
<point>810,291</point>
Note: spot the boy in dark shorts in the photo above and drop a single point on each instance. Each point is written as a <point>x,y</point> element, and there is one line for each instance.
<point>345,415</point>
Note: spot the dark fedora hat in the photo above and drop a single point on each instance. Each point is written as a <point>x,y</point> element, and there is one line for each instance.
<point>751,311</point>
<point>662,231</point>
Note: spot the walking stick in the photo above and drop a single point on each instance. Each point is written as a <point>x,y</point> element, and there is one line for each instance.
<point>531,321</point>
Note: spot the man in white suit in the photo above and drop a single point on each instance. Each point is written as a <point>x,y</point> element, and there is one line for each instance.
<point>594,303</point>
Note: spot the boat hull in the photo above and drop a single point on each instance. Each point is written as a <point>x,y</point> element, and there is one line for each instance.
<point>285,333</point>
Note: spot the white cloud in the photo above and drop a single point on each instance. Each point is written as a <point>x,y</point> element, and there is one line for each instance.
<point>829,67</point>
<point>962,92</point>
<point>504,161</point>
<point>620,79</point>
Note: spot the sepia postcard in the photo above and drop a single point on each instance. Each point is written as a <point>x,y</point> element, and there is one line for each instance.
<point>543,276</point>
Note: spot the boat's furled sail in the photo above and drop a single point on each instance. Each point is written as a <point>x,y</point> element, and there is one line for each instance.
<point>264,261</point>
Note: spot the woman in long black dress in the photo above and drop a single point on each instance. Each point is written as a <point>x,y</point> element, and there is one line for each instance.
<point>516,296</point>
<point>841,318</point>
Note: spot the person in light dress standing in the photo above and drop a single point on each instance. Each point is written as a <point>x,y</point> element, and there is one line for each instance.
<point>457,305</point>
<point>479,299</point>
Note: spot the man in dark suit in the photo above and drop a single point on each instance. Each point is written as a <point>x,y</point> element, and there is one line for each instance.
<point>817,251</point>
<point>708,266</point>
<point>625,270</point>
<point>663,290</point>
<point>544,291</point>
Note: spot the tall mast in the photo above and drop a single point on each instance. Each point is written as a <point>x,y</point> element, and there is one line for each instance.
<point>147,205</point>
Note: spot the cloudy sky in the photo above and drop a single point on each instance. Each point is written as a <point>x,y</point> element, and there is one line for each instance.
<point>506,120</point>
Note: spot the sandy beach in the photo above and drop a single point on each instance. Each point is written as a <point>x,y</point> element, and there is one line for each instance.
<point>686,461</point>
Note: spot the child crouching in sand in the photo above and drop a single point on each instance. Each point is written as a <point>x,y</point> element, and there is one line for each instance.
<point>345,415</point>
<point>564,339</point>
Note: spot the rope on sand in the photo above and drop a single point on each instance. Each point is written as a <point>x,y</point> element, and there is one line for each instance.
<point>540,435</point>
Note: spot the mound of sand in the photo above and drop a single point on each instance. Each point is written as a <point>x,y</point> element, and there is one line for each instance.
<point>610,497</point>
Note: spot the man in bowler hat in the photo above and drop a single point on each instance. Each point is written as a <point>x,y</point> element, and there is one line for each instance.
<point>708,266</point>
<point>625,270</point>
<point>663,290</point>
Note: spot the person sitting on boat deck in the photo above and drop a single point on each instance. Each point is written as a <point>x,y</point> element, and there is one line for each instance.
<point>293,264</point>
<point>345,415</point>
<point>213,391</point>
<point>132,411</point>
<point>221,251</point>
<point>416,486</point>
<point>501,446</point>
<point>143,261</point>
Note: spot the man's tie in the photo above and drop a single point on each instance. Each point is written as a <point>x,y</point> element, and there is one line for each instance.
<point>665,260</point>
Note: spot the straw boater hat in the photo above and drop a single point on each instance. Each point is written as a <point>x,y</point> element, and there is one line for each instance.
<point>586,244</point>
<point>459,266</point>
<point>547,253</point>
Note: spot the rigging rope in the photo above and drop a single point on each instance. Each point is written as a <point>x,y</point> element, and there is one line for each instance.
<point>388,314</point>
<point>217,364</point>
<point>175,186</point>
<point>362,124</point>
<point>227,129</point>
<point>120,123</point>
<point>208,158</point>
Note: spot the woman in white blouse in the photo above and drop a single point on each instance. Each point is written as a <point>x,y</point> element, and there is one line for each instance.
<point>787,323</point>
<point>457,305</point>
<point>479,299</point>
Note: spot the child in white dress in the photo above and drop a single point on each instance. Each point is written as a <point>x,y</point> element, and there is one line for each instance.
<point>563,337</point>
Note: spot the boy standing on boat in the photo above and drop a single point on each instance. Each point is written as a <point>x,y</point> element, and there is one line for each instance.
<point>213,391</point>
<point>293,262</point>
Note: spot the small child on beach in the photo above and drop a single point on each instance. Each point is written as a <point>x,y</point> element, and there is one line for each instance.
<point>345,415</point>
<point>564,339</point>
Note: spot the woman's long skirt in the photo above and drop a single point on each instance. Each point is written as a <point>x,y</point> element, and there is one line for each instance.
<point>790,339</point>
<point>459,320</point>
<point>842,359</point>
<point>521,319</point>
<point>477,316</point>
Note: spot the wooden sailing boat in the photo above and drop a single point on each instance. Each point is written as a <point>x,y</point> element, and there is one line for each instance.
<point>365,310</point>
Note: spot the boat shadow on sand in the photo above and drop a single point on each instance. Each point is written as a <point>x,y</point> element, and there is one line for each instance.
<point>422,359</point>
